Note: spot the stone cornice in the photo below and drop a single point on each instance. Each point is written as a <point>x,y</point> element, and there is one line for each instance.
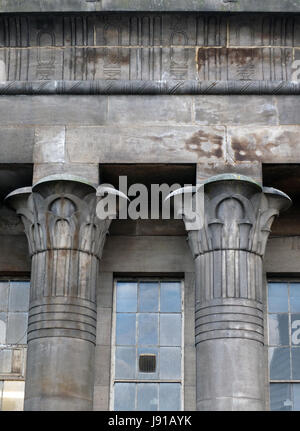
<point>138,87</point>
<point>11,6</point>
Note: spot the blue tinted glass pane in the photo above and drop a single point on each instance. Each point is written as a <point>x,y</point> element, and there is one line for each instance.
<point>280,396</point>
<point>147,396</point>
<point>296,396</point>
<point>295,297</point>
<point>125,362</point>
<point>152,350</point>
<point>125,329</point>
<point>147,329</point>
<point>170,396</point>
<point>124,396</point>
<point>295,329</point>
<point>170,329</point>
<point>279,329</point>
<point>278,297</point>
<point>126,296</point>
<point>296,363</point>
<point>148,297</point>
<point>170,296</point>
<point>170,362</point>
<point>279,360</point>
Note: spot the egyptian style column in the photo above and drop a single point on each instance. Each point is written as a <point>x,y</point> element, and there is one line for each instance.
<point>227,234</point>
<point>65,241</point>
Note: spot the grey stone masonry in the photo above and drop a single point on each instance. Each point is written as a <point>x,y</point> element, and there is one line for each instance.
<point>147,47</point>
<point>228,237</point>
<point>65,242</point>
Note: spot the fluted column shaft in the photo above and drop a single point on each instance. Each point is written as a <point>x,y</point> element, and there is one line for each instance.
<point>228,238</point>
<point>65,241</point>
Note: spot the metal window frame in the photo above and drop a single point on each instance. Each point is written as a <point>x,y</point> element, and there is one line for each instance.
<point>113,380</point>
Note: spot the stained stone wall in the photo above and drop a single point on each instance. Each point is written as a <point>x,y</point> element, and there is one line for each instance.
<point>78,133</point>
<point>148,46</point>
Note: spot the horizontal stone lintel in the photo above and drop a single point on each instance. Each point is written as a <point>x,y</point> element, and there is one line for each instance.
<point>139,87</point>
<point>149,5</point>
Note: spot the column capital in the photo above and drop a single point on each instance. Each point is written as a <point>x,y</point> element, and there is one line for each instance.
<point>232,212</point>
<point>59,213</point>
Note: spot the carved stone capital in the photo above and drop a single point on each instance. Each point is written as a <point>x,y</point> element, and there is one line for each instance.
<point>66,240</point>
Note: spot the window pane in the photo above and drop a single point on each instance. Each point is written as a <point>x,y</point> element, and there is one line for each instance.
<point>147,396</point>
<point>13,396</point>
<point>147,329</point>
<point>148,297</point>
<point>280,396</point>
<point>295,329</point>
<point>278,297</point>
<point>296,363</point>
<point>296,393</point>
<point>125,362</point>
<point>170,296</point>
<point>279,329</point>
<point>170,396</point>
<point>170,330</point>
<point>126,296</point>
<point>279,360</point>
<point>170,362</point>
<point>124,396</point>
<point>295,296</point>
<point>147,350</point>
<point>125,330</point>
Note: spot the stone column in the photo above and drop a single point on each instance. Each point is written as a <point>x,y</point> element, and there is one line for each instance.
<point>65,241</point>
<point>227,235</point>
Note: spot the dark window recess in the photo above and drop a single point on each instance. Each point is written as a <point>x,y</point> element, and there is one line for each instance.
<point>147,363</point>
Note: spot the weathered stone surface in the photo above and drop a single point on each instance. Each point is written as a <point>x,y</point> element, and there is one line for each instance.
<point>149,5</point>
<point>143,254</point>
<point>52,111</point>
<point>49,145</point>
<point>181,144</point>
<point>244,64</point>
<point>253,170</point>
<point>236,110</point>
<point>89,171</point>
<point>288,110</point>
<point>16,143</point>
<point>150,110</point>
<point>288,247</point>
<point>266,144</point>
<point>101,398</point>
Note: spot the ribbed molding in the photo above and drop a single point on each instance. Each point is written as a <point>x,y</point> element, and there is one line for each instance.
<point>235,218</point>
<point>65,240</point>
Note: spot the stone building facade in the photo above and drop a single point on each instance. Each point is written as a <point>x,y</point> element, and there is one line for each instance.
<point>197,313</point>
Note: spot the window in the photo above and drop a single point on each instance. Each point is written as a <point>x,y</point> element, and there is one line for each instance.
<point>147,349</point>
<point>14,303</point>
<point>284,345</point>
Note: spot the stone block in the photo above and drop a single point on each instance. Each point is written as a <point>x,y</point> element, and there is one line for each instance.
<point>4,290</point>
<point>149,109</point>
<point>19,296</point>
<point>52,110</point>
<point>101,398</point>
<point>189,291</point>
<point>16,143</point>
<point>104,324</point>
<point>17,328</point>
<point>189,398</point>
<point>102,365</point>
<point>251,169</point>
<point>288,109</point>
<point>265,144</point>
<point>105,289</point>
<point>5,361</point>
<point>190,365</point>
<point>152,144</point>
<point>49,145</point>
<point>90,171</point>
<point>236,110</point>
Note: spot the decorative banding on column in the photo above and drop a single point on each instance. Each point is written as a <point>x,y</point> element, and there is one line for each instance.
<point>66,240</point>
<point>227,233</point>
